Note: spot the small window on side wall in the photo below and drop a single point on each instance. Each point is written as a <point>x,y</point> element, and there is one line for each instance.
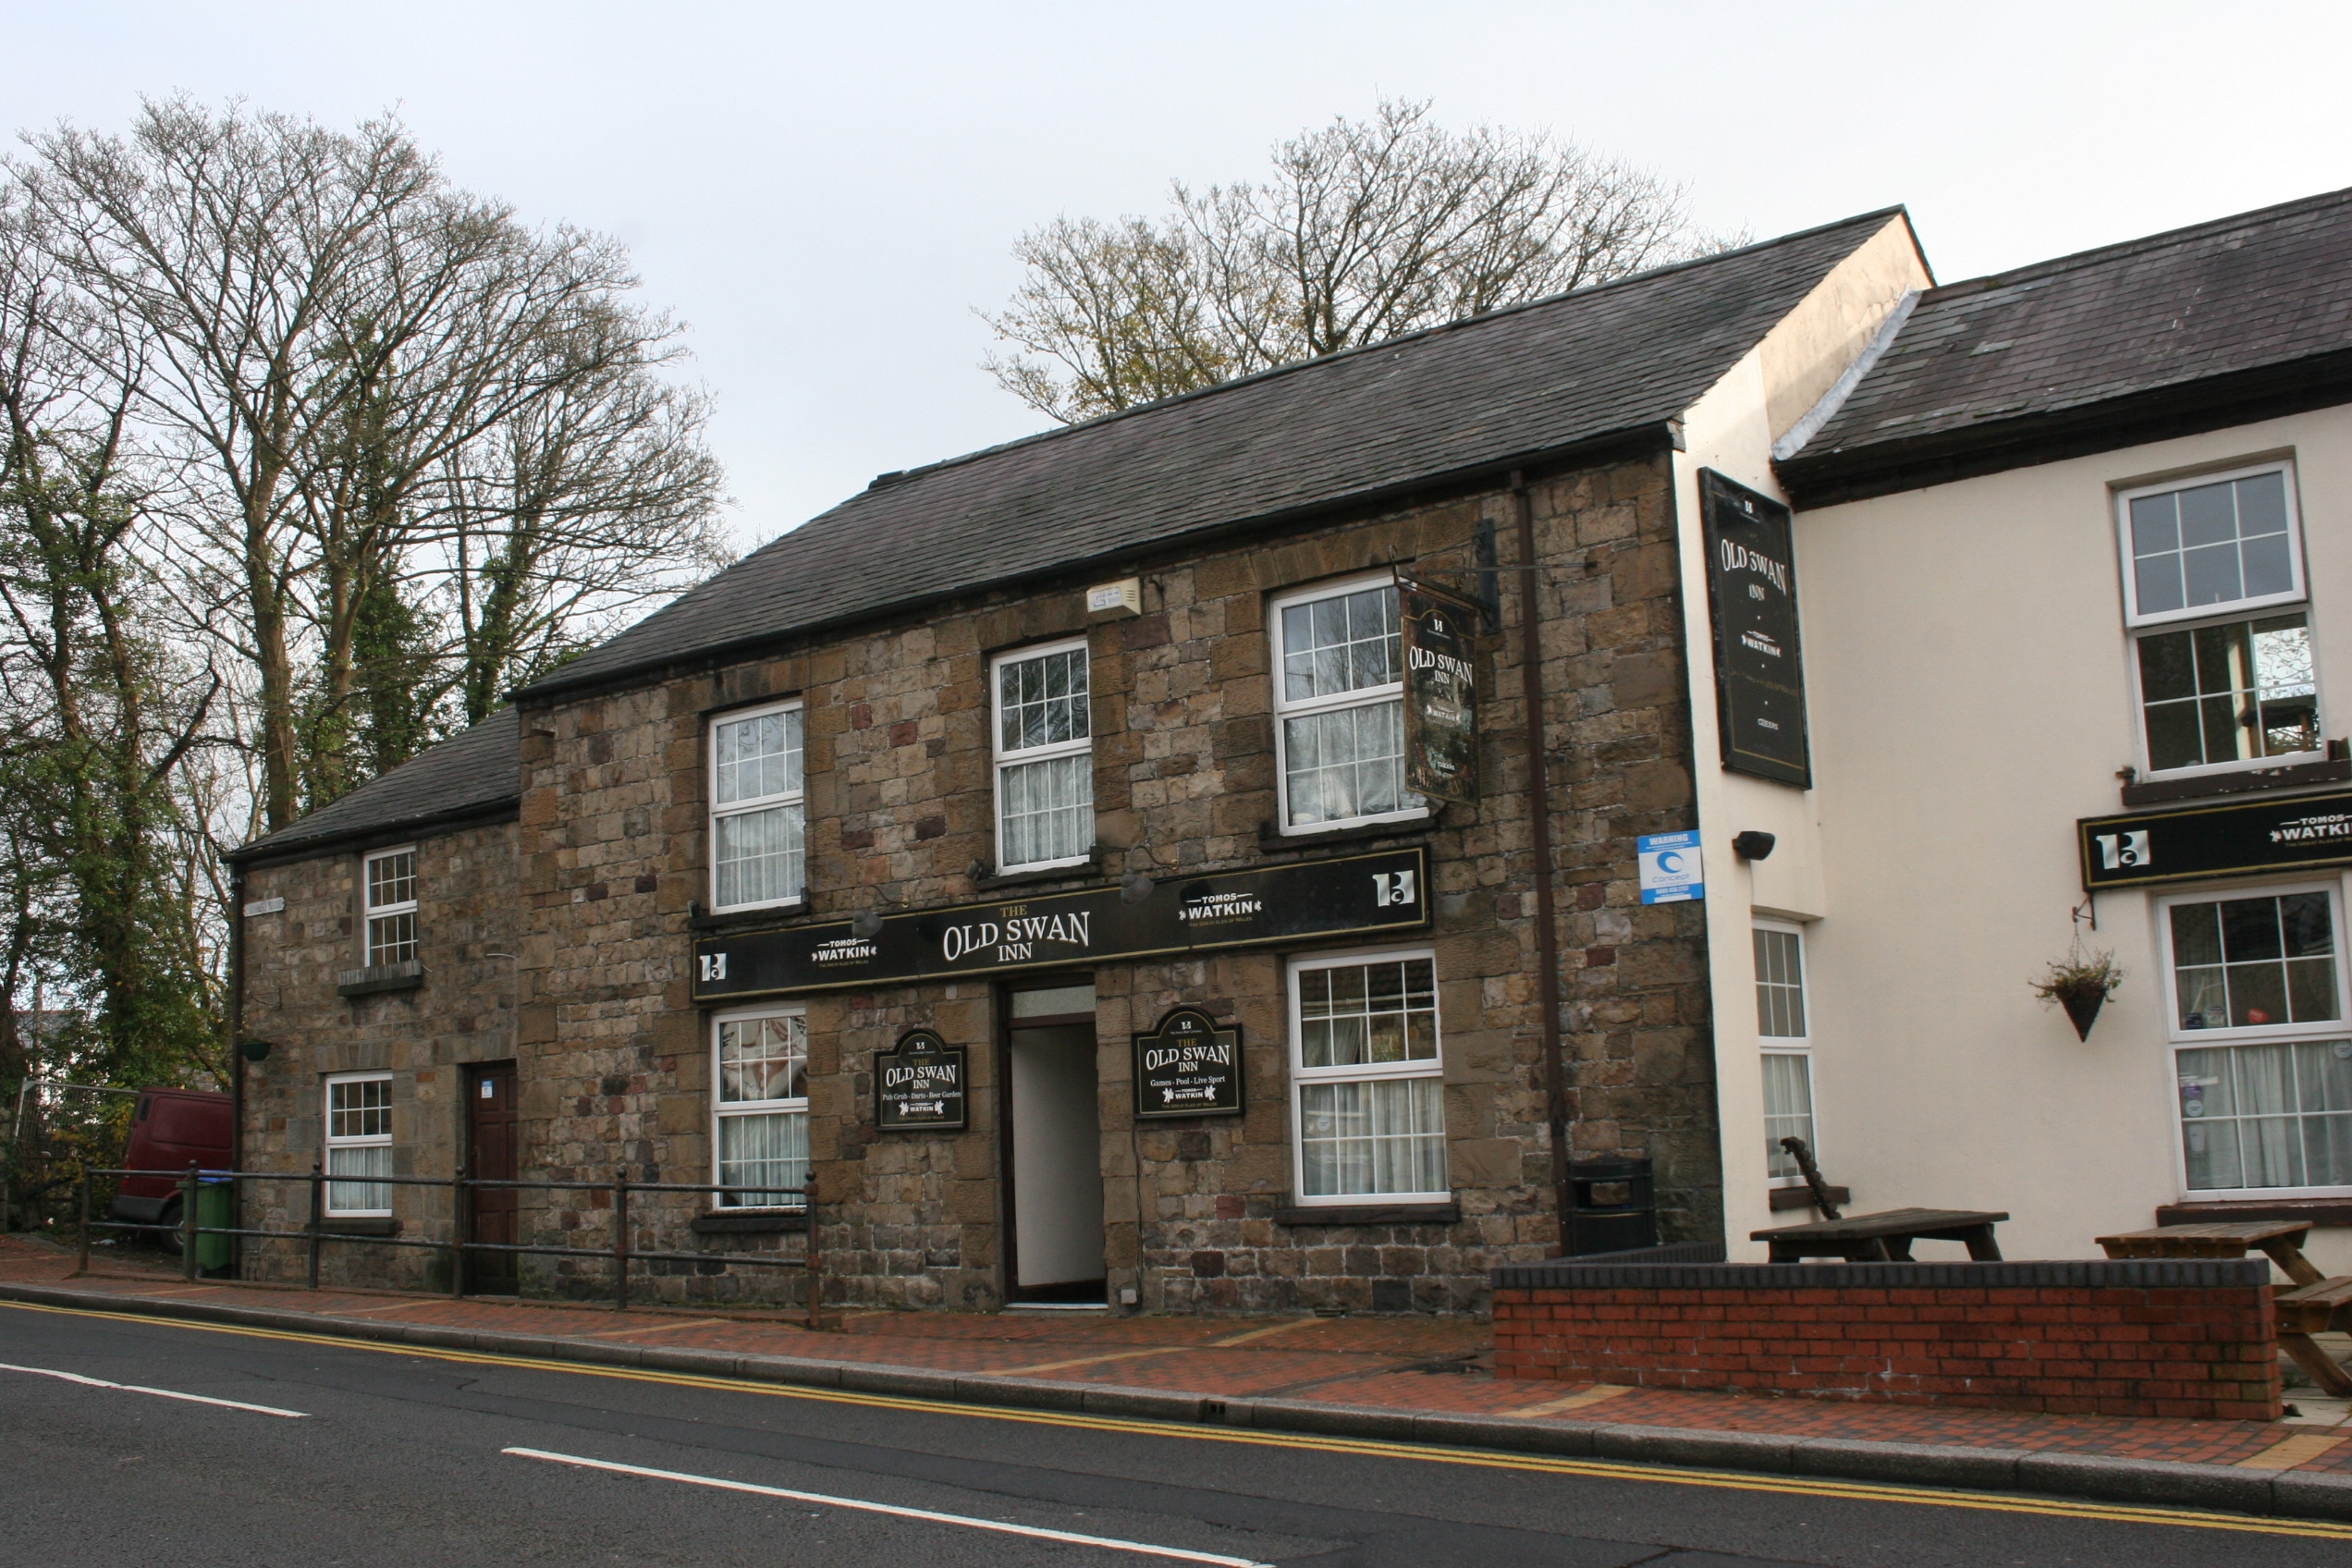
<point>758,822</point>
<point>391,884</point>
<point>1783,1027</point>
<point>1339,702</point>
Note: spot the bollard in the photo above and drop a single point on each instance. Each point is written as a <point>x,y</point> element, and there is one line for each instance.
<point>457,1237</point>
<point>814,1266</point>
<point>620,1238</point>
<point>318,1212</point>
<point>83,1267</point>
<point>187,1223</point>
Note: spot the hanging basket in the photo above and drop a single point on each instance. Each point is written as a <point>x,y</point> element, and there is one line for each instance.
<point>2082,1008</point>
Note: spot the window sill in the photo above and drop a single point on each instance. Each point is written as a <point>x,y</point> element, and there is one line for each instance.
<point>2240,781</point>
<point>984,880</point>
<point>359,1225</point>
<point>1369,1214</point>
<point>380,977</point>
<point>700,919</point>
<point>2319,1211</point>
<point>1271,838</point>
<point>759,1224</point>
<point>1802,1197</point>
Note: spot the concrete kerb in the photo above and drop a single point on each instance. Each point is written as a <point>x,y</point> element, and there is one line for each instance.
<point>2150,1482</point>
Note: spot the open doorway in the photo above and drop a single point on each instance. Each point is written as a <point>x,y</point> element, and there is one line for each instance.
<point>1053,1146</point>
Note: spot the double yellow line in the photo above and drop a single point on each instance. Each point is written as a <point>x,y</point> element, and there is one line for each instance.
<point>1785,1486</point>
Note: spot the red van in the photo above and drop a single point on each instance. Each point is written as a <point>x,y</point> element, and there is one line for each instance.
<point>170,1128</point>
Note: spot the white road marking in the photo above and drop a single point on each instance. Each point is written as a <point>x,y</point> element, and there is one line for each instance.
<point>1030,1530</point>
<point>159,1394</point>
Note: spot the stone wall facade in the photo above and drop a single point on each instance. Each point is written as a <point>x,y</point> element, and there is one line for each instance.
<point>462,1012</point>
<point>612,868</point>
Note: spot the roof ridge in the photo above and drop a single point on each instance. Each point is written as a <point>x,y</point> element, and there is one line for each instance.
<point>2076,259</point>
<point>1292,367</point>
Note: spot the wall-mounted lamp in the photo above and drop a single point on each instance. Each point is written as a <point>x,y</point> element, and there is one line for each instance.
<point>866,925</point>
<point>1753,844</point>
<point>1135,887</point>
<point>255,1050</point>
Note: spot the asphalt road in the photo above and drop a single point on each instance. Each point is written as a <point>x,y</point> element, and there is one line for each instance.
<point>409,1461</point>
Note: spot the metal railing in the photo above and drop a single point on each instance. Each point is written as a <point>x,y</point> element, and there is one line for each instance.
<point>461,1245</point>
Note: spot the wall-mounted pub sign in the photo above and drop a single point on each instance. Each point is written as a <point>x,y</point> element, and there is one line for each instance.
<point>1441,692</point>
<point>2292,833</point>
<point>1367,895</point>
<point>919,1085</point>
<point>1751,595</point>
<point>1189,1066</point>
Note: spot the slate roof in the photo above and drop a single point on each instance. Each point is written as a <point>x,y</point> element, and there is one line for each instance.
<point>2136,340</point>
<point>1456,401</point>
<point>473,773</point>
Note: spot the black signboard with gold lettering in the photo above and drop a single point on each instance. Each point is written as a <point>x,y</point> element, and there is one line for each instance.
<point>1188,1067</point>
<point>1375,894</point>
<point>1441,692</point>
<point>920,1085</point>
<point>1751,592</point>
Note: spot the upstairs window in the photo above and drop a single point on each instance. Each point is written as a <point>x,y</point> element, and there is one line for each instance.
<point>2219,687</point>
<point>1045,758</point>
<point>1339,701</point>
<point>391,880</point>
<point>758,828</point>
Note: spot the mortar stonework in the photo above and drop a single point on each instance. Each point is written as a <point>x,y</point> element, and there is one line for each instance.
<point>612,855</point>
<point>464,1012</point>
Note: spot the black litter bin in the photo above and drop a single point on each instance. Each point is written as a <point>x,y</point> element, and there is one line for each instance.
<point>1611,1205</point>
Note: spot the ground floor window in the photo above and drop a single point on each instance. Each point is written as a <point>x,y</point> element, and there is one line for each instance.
<point>1368,1077</point>
<point>1788,1110</point>
<point>2261,1057</point>
<point>1784,1024</point>
<point>359,1143</point>
<point>762,1108</point>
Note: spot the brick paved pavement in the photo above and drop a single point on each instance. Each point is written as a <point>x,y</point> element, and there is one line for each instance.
<point>1417,1365</point>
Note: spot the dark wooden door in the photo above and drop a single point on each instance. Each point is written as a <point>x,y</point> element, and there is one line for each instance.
<point>491,1155</point>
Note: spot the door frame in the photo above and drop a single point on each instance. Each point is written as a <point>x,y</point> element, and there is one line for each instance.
<point>1008,1227</point>
<point>471,1075</point>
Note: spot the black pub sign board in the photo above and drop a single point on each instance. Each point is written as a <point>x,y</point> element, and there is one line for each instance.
<point>1366,895</point>
<point>919,1085</point>
<point>2292,833</point>
<point>1441,692</point>
<point>1188,1067</point>
<point>1751,592</point>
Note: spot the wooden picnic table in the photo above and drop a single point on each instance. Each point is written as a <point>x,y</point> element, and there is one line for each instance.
<point>1886,1237</point>
<point>2314,1305</point>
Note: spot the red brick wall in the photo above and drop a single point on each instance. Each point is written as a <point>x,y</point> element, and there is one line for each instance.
<point>2107,1348</point>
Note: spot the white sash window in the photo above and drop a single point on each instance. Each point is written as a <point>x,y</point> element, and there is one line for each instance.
<point>758,828</point>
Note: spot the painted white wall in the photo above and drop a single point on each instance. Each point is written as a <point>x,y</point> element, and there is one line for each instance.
<point>1970,693</point>
<point>1731,430</point>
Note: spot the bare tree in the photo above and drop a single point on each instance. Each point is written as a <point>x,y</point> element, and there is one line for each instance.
<point>1364,230</point>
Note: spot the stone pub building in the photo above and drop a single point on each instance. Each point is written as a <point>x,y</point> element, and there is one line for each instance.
<point>1186,861</point>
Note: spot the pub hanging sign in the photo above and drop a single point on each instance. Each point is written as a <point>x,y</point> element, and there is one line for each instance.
<point>1189,1066</point>
<point>2291,833</point>
<point>1441,692</point>
<point>1380,893</point>
<point>919,1086</point>
<point>1751,595</point>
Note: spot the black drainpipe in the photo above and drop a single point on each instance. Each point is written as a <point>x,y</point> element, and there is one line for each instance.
<point>1539,820</point>
<point>237,1062</point>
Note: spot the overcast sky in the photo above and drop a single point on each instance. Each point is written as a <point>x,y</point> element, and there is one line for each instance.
<point>825,192</point>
